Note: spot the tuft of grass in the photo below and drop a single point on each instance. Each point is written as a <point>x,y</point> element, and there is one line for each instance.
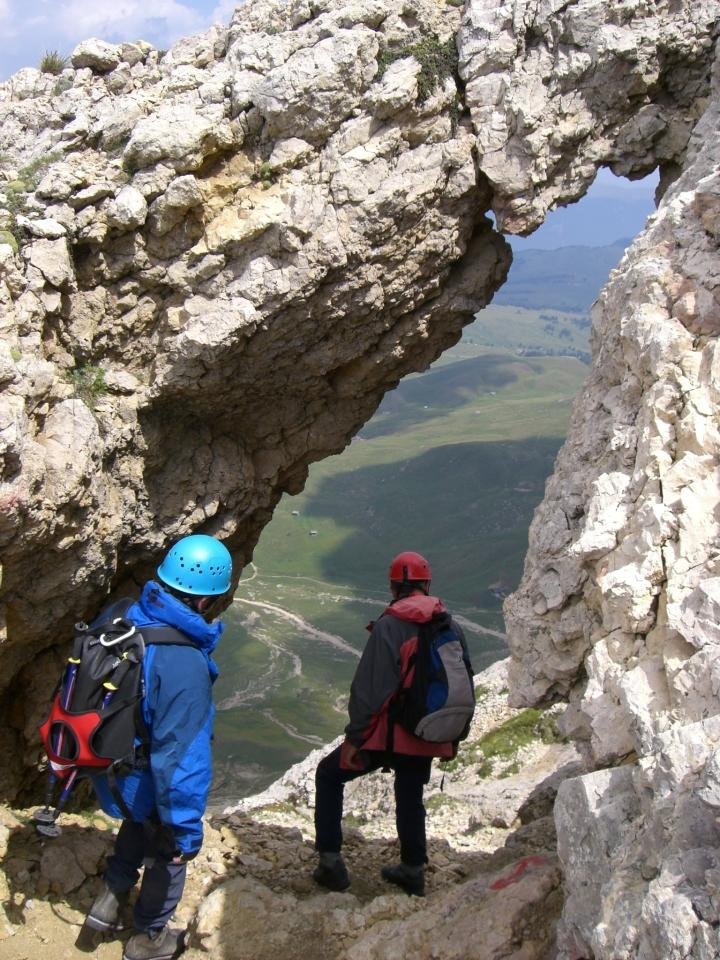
<point>548,731</point>
<point>63,84</point>
<point>510,770</point>
<point>7,236</point>
<point>30,173</point>
<point>351,820</point>
<point>438,60</point>
<point>15,195</point>
<point>484,769</point>
<point>265,175</point>
<point>505,741</point>
<point>16,192</point>
<point>88,383</point>
<point>52,62</point>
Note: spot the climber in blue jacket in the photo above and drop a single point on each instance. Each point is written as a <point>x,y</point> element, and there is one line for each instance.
<point>162,800</point>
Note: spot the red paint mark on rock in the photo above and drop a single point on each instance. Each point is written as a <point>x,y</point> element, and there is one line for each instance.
<point>521,867</point>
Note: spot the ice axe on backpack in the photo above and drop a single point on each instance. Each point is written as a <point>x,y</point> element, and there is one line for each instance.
<point>67,733</point>
<point>45,817</point>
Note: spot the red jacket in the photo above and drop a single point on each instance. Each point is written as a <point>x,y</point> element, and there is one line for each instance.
<point>392,641</point>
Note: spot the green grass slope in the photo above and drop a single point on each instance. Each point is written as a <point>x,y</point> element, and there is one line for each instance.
<point>413,478</point>
<point>453,465</point>
<point>525,332</point>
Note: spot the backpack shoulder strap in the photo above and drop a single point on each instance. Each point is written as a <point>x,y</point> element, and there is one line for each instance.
<point>156,634</point>
<point>166,635</point>
<point>114,611</point>
<point>438,622</point>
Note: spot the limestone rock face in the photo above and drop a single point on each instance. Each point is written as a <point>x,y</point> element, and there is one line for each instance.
<point>214,262</point>
<point>227,253</point>
<point>556,89</point>
<point>643,838</point>
<point>618,607</point>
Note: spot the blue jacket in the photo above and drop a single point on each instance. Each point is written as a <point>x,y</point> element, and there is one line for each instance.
<point>178,712</point>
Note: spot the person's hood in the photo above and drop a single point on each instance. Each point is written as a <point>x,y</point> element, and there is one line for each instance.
<point>157,606</point>
<point>417,608</point>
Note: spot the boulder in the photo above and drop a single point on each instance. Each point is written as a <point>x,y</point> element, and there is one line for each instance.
<point>98,55</point>
<point>52,259</point>
<point>128,210</point>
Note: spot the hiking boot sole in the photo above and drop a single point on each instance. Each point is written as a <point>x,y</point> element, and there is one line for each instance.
<point>330,881</point>
<point>174,948</point>
<point>412,888</point>
<point>168,955</point>
<point>89,939</point>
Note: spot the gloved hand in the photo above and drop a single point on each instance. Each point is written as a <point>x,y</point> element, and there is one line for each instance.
<point>352,758</point>
<point>162,845</point>
<point>184,857</point>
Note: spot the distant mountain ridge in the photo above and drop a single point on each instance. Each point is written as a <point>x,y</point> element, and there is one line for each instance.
<point>607,211</point>
<point>566,278</point>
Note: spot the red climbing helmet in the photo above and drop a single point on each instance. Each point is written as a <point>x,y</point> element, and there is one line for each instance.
<point>409,566</point>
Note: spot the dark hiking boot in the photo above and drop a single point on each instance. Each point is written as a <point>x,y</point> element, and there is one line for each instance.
<point>105,912</point>
<point>88,940</point>
<point>331,872</point>
<point>158,945</point>
<point>410,879</point>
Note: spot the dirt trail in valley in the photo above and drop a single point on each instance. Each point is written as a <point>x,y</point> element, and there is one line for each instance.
<point>331,638</point>
<point>477,628</point>
<point>293,731</point>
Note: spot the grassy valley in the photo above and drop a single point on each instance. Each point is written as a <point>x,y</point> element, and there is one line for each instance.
<point>452,464</point>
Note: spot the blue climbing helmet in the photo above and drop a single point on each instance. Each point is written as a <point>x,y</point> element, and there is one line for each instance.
<point>199,565</point>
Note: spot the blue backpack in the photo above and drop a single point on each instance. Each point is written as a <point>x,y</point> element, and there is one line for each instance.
<point>439,702</point>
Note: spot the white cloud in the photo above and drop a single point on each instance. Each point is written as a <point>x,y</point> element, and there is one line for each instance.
<point>31,27</point>
<point>224,10</point>
<point>39,25</point>
<point>162,21</point>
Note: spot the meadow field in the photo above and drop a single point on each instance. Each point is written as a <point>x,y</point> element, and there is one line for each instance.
<point>453,464</point>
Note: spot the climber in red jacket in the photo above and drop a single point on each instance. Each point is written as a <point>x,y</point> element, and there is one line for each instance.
<point>368,746</point>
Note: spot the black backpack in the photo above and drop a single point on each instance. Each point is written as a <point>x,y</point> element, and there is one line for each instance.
<point>439,702</point>
<point>95,722</point>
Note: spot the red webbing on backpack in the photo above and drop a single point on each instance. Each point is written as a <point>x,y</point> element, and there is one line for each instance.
<point>80,727</point>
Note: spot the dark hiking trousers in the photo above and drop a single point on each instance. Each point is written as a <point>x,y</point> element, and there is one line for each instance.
<point>162,883</point>
<point>411,775</point>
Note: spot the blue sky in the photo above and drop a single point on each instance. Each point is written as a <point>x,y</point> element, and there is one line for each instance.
<point>30,27</point>
<point>613,208</point>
